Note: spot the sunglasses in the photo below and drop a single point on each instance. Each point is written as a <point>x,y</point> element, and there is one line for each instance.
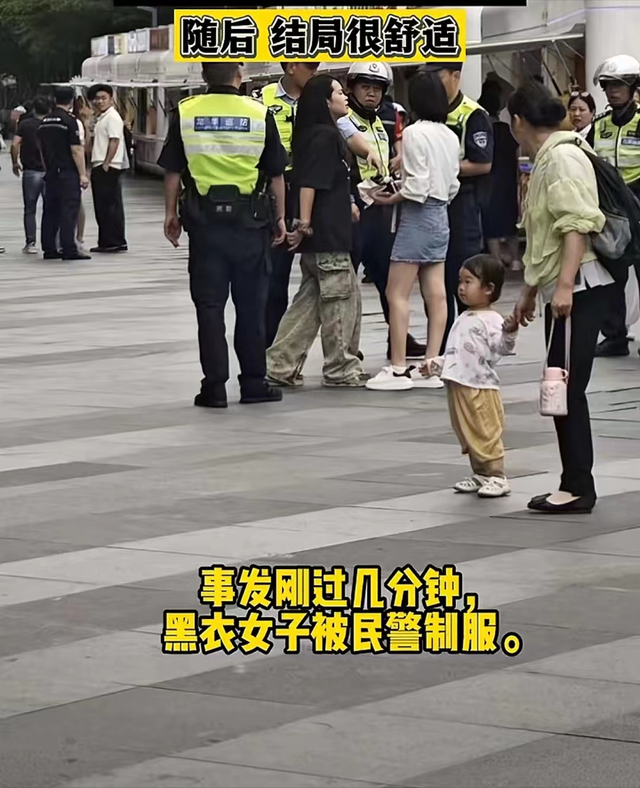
<point>579,94</point>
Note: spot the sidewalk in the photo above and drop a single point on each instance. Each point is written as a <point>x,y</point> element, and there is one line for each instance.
<point>115,490</point>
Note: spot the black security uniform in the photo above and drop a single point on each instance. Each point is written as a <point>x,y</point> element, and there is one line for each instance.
<point>56,134</point>
<point>229,246</point>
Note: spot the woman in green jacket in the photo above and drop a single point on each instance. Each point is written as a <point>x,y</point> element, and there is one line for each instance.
<point>561,211</point>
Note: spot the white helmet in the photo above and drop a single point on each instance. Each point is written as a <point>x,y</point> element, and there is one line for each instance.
<point>621,68</point>
<point>374,72</point>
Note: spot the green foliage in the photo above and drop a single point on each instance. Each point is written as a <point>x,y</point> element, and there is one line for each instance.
<point>47,40</point>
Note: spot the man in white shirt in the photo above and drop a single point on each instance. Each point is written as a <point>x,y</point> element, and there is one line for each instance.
<point>108,160</point>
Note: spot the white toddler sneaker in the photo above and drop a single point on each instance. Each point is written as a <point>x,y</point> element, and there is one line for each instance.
<point>472,484</point>
<point>494,487</point>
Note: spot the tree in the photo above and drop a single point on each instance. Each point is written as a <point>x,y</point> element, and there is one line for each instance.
<point>47,40</point>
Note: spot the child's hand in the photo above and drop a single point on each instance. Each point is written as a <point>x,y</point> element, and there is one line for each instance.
<point>510,324</point>
<point>429,367</point>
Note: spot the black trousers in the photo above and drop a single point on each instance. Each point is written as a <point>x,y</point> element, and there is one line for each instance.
<point>372,245</point>
<point>465,240</point>
<point>107,204</point>
<point>60,214</point>
<point>574,430</point>
<point>236,258</point>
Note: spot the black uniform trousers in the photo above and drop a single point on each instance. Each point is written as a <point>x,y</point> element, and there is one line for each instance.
<point>372,245</point>
<point>574,430</point>
<point>222,258</point>
<point>281,262</point>
<point>107,204</point>
<point>465,240</point>
<point>60,213</point>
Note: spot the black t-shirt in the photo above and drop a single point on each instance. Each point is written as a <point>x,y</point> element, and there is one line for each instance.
<point>30,154</point>
<point>57,133</point>
<point>273,161</point>
<point>324,167</point>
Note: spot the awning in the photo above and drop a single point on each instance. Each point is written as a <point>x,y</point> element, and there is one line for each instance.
<point>493,47</point>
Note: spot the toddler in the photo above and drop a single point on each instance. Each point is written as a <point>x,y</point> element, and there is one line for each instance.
<point>478,339</point>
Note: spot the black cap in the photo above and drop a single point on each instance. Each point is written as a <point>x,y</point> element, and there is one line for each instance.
<point>441,66</point>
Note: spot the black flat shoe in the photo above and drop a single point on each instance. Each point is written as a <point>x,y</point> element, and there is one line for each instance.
<point>204,401</point>
<point>582,505</point>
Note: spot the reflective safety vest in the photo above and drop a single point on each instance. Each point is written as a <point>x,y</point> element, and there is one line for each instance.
<point>283,112</point>
<point>376,135</point>
<point>457,120</point>
<point>619,145</point>
<point>224,137</point>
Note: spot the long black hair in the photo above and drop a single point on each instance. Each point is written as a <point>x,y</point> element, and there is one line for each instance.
<point>313,111</point>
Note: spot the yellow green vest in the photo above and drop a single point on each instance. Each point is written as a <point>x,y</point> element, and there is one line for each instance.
<point>376,135</point>
<point>283,112</point>
<point>457,120</point>
<point>619,145</point>
<point>224,137</point>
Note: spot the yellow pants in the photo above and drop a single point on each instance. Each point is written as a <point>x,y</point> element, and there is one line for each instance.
<point>477,418</point>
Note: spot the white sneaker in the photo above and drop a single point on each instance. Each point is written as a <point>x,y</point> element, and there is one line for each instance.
<point>472,484</point>
<point>494,487</point>
<point>30,249</point>
<point>420,382</point>
<point>388,380</point>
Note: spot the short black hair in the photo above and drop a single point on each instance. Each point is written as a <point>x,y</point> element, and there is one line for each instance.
<point>428,97</point>
<point>41,105</point>
<point>95,89</point>
<point>537,106</point>
<point>64,95</point>
<point>220,73</point>
<point>488,270</point>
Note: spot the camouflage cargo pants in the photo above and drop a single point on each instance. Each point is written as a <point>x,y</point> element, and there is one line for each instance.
<point>328,300</point>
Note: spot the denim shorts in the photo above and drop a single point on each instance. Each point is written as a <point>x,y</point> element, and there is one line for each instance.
<point>423,233</point>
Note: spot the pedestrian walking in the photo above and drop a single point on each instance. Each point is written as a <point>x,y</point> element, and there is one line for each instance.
<point>29,164</point>
<point>65,177</point>
<point>108,161</point>
<point>224,147</point>
<point>430,167</point>
<point>329,296</point>
<point>479,338</point>
<point>561,211</point>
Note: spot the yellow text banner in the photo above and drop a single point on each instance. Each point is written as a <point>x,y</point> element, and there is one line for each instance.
<point>320,34</point>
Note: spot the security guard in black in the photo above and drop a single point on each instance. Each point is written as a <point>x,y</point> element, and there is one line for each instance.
<point>225,210</point>
<point>63,156</point>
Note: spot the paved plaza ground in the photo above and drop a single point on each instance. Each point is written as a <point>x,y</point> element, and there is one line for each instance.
<point>114,490</point>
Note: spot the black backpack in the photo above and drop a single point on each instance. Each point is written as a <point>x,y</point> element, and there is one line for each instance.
<point>617,246</point>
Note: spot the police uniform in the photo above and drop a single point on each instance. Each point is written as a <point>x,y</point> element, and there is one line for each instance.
<point>56,134</point>
<point>472,126</point>
<point>283,107</point>
<point>373,240</point>
<point>619,144</point>
<point>225,145</point>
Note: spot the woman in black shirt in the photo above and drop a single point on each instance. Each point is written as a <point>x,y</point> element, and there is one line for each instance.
<point>329,295</point>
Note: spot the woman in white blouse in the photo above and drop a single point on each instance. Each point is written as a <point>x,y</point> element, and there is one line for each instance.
<point>430,166</point>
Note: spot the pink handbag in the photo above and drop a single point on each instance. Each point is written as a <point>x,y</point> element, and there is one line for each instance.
<point>553,386</point>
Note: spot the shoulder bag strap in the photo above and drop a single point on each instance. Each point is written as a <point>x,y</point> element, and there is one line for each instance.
<point>567,345</point>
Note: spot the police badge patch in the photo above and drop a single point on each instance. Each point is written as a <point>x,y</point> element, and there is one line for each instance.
<point>481,139</point>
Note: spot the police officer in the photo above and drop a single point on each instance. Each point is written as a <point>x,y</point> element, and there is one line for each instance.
<point>472,125</point>
<point>617,140</point>
<point>367,84</point>
<point>282,98</point>
<point>225,148</point>
<point>65,177</point>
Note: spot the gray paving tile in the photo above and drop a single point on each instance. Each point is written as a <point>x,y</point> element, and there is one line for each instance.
<point>335,492</point>
<point>624,728</point>
<point>89,295</point>
<point>60,472</point>
<point>133,725</point>
<point>558,761</point>
<point>583,608</point>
